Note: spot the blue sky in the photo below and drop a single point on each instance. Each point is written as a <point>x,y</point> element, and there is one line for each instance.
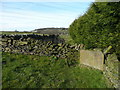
<point>26,16</point>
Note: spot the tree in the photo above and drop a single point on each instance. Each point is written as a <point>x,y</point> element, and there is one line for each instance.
<point>99,27</point>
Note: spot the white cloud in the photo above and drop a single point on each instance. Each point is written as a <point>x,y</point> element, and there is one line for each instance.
<point>25,20</point>
<point>17,17</point>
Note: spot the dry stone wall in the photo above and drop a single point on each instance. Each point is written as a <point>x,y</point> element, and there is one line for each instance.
<point>111,70</point>
<point>24,37</point>
<point>110,66</point>
<point>50,45</point>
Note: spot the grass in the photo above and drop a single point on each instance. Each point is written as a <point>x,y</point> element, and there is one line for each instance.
<point>45,32</point>
<point>30,71</point>
<point>67,39</point>
<point>13,32</point>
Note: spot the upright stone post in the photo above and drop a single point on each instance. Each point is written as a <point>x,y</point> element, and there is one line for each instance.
<point>91,58</point>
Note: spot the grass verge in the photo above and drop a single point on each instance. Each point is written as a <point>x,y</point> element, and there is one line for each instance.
<point>30,71</point>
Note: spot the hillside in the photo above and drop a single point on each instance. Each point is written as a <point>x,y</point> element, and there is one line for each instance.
<point>57,31</point>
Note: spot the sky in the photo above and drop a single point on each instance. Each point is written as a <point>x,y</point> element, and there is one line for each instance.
<point>27,16</point>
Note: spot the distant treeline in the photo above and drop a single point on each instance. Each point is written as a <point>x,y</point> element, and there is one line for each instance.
<point>51,29</point>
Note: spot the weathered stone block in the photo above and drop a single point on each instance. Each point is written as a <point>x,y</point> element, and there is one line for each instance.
<point>91,58</point>
<point>22,43</point>
<point>111,70</point>
<point>9,40</point>
<point>4,40</point>
<point>59,44</point>
<point>0,43</point>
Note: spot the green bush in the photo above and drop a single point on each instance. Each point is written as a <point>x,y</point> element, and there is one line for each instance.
<point>99,27</point>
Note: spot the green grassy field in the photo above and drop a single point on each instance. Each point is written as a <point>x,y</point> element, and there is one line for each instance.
<point>30,71</point>
<point>67,39</point>
<point>46,32</point>
<point>12,32</point>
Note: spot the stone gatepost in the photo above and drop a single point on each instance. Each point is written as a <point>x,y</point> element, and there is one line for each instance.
<point>92,58</point>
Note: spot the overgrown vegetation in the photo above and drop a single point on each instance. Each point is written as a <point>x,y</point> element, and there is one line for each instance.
<point>13,32</point>
<point>99,27</point>
<point>67,39</point>
<point>31,71</point>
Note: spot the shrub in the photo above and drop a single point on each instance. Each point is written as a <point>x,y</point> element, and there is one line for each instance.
<point>99,27</point>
